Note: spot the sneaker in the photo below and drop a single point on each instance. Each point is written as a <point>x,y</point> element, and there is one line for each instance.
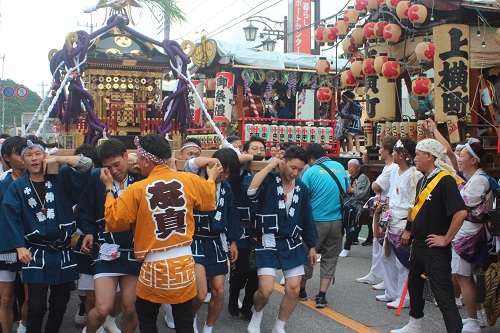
<point>412,327</point>
<point>110,325</point>
<point>80,317</point>
<point>395,304</point>
<point>355,242</point>
<point>383,298</point>
<point>321,301</point>
<point>344,253</point>
<point>480,319</point>
<point>471,326</point>
<point>367,242</point>
<point>368,279</point>
<point>379,286</point>
<point>302,295</point>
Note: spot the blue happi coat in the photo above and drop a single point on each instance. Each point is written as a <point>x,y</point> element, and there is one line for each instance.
<point>47,237</point>
<point>289,229</point>
<point>90,220</point>
<point>246,207</point>
<point>4,185</point>
<point>207,246</point>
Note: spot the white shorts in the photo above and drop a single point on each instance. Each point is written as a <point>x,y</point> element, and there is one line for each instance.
<point>296,271</point>
<point>86,282</point>
<point>7,276</point>
<point>459,265</point>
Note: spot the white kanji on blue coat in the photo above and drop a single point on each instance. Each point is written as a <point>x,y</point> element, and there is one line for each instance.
<point>221,202</point>
<point>32,202</point>
<point>27,190</point>
<point>48,184</point>
<point>297,188</point>
<point>218,216</point>
<point>49,197</point>
<point>41,216</point>
<point>280,190</point>
<point>291,211</point>
<point>295,198</point>
<point>222,191</point>
<point>278,180</point>
<point>281,204</point>
<point>51,213</point>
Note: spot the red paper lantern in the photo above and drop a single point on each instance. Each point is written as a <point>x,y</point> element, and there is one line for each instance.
<point>348,46</point>
<point>324,94</point>
<point>425,51</point>
<point>360,6</point>
<point>369,32</point>
<point>357,68</point>
<point>379,29</point>
<point>319,35</point>
<point>392,4</point>
<point>391,69</point>
<point>351,16</point>
<point>392,33</point>
<point>348,79</point>
<point>417,14</point>
<point>331,34</point>
<point>369,66</point>
<point>421,86</point>
<point>358,35</point>
<point>342,28</point>
<point>379,61</point>
<point>356,56</point>
<point>402,9</point>
<point>322,66</point>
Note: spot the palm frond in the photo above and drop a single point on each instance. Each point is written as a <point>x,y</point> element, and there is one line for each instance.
<point>165,8</point>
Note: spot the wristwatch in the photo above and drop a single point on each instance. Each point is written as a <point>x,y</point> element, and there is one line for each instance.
<point>109,190</point>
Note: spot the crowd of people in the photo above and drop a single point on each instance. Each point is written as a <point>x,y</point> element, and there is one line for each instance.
<point>137,234</point>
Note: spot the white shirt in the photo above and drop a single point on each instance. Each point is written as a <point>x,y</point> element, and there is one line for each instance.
<point>402,191</point>
<point>383,180</point>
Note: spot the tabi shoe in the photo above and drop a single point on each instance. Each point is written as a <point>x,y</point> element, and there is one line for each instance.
<point>21,328</point>
<point>383,298</point>
<point>246,312</point>
<point>254,326</point>
<point>282,281</point>
<point>471,326</point>
<point>344,253</point>
<point>80,317</point>
<point>368,279</point>
<point>379,286</point>
<point>302,295</point>
<point>480,318</point>
<point>208,298</point>
<point>110,325</point>
<point>395,304</point>
<point>412,327</point>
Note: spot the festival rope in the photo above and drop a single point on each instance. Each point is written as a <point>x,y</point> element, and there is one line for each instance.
<point>252,101</point>
<point>492,301</point>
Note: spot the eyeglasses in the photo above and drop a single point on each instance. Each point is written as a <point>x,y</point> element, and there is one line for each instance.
<point>258,148</point>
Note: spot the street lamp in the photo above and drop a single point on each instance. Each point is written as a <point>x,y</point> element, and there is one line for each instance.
<point>272,28</point>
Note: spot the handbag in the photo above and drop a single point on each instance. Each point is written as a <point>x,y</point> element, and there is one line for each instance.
<point>348,204</point>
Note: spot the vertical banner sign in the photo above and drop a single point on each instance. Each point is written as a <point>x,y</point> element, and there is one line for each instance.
<point>194,104</point>
<point>301,26</point>
<point>223,96</point>
<point>451,70</point>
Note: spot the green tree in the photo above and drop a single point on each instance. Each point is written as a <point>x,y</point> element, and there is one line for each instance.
<point>15,106</point>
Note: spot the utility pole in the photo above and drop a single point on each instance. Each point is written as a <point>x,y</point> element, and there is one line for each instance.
<point>3,95</point>
<point>91,25</point>
<point>166,27</point>
<point>44,130</point>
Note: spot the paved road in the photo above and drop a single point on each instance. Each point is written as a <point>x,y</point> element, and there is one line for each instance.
<point>352,307</point>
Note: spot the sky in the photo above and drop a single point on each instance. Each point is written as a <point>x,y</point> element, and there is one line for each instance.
<point>29,29</point>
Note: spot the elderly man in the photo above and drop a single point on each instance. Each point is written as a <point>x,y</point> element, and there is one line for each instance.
<point>437,216</point>
<point>360,190</point>
<point>326,206</point>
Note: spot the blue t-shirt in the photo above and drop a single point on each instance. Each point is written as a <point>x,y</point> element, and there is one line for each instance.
<point>324,192</point>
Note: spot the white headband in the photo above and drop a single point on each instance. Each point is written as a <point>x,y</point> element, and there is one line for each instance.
<point>470,150</point>
<point>353,161</point>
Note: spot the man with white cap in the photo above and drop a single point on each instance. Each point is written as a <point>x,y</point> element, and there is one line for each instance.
<point>437,216</point>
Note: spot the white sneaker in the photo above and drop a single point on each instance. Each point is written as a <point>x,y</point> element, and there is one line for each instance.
<point>480,318</point>
<point>282,281</point>
<point>21,328</point>
<point>208,298</point>
<point>110,325</point>
<point>344,253</point>
<point>395,304</point>
<point>412,327</point>
<point>80,317</point>
<point>471,326</point>
<point>356,154</point>
<point>379,286</point>
<point>368,279</point>
<point>383,298</point>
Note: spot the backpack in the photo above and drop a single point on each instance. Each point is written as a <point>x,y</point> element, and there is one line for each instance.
<point>349,206</point>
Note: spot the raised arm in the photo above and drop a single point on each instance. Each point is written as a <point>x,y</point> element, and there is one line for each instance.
<point>261,175</point>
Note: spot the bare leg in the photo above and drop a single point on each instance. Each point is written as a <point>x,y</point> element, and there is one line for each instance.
<point>349,143</point>
<point>266,288</point>
<point>468,287</point>
<point>291,298</point>
<point>6,307</point>
<point>215,304</point>
<point>105,291</point>
<point>129,322</point>
<point>201,287</point>
<point>89,301</point>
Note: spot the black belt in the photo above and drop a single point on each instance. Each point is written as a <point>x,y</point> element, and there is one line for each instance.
<point>49,247</point>
<point>195,236</point>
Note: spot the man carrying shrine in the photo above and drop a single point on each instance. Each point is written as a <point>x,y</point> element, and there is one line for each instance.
<point>283,220</point>
<point>159,209</point>
<point>37,220</point>
<point>115,262</point>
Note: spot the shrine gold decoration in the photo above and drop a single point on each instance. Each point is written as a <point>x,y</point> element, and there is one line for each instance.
<point>204,52</point>
<point>451,70</point>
